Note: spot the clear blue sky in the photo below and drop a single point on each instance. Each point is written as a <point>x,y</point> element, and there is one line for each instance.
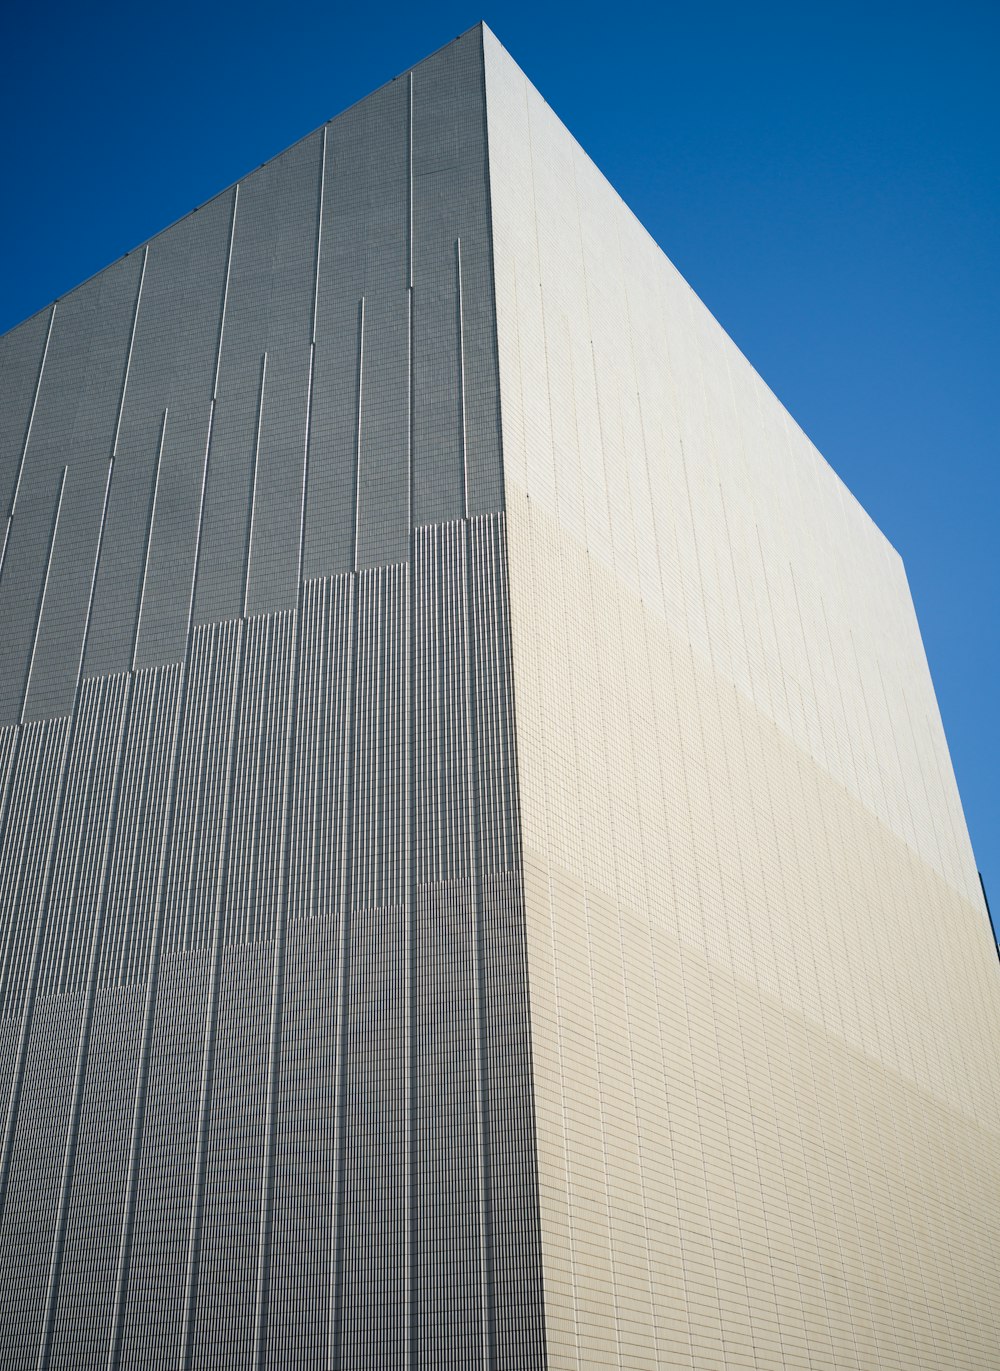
<point>827,177</point>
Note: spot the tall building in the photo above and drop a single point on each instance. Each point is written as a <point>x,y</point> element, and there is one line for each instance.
<point>483,883</point>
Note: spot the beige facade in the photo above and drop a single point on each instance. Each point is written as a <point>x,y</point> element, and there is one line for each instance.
<point>765,1002</point>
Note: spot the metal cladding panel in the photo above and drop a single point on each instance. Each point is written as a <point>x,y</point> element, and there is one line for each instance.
<point>80,386</point>
<point>363,272</point>
<point>451,1287</point>
<point>320,814</point>
<point>494,781</point>
<point>371,1312</point>
<point>369,1318</point>
<point>71,933</point>
<point>45,590</point>
<point>23,586</point>
<point>8,751</point>
<point>81,1294</point>
<point>31,1200</point>
<point>144,580</point>
<point>22,356</point>
<point>443,745</point>
<point>266,1086</point>
<point>456,441</point>
<point>383,458</point>
<point>26,846</point>
<point>58,644</point>
<point>449,1275</point>
<point>223,1304</point>
<point>252,899</point>
<point>260,410</point>
<point>304,1185</point>
<point>516,1323</point>
<point>10,1046</point>
<point>203,789</point>
<point>377,869</point>
<point>151,1276</point>
<point>128,944</point>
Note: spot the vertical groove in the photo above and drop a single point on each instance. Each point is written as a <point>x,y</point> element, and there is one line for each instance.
<point>476,870</point>
<point>31,420</point>
<point>357,437</point>
<point>211,1019</point>
<point>45,591</point>
<point>409,422</point>
<point>48,869</point>
<point>319,236</point>
<point>149,536</point>
<point>463,435</point>
<point>93,575</point>
<point>253,485</point>
<point>492,279</point>
<point>128,355</point>
<point>123,1265</point>
<point>211,424</point>
<point>409,181</point>
<point>274,1047</point>
<point>409,1140</point>
<point>304,499</point>
<point>225,293</point>
<point>3,549</point>
<point>125,1246</point>
<point>346,899</point>
<point>35,770</point>
<point>83,1049</point>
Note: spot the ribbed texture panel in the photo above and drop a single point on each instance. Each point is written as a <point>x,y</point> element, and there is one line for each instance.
<point>263,1101</point>
<point>282,915</point>
<point>371,1316</point>
<point>136,866</point>
<point>334,311</point>
<point>305,1175</point>
<point>73,912</point>
<point>8,747</point>
<point>32,1200</point>
<point>442,746</point>
<point>450,1284</point>
<point>225,1305</point>
<point>151,1296</point>
<point>517,1327</point>
<point>378,867</point>
<point>252,899</point>
<point>318,868</point>
<point>196,865</point>
<point>25,853</point>
<point>82,1318</point>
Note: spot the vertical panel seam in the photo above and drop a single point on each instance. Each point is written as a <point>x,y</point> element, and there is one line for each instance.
<point>149,537</point>
<point>31,419</point>
<point>128,355</point>
<point>253,485</point>
<point>44,595</point>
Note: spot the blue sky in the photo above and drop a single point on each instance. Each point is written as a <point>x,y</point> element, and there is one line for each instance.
<point>826,177</point>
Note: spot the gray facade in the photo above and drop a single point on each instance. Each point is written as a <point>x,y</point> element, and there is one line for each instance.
<point>263,1021</point>
<point>348,1021</point>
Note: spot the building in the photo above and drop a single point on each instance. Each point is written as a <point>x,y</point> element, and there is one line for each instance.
<point>483,880</point>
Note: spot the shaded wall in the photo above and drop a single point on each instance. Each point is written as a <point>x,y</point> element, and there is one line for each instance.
<point>263,1024</point>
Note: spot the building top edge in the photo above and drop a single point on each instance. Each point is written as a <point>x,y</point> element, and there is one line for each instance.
<point>506,57</point>
<point>479,27</point>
